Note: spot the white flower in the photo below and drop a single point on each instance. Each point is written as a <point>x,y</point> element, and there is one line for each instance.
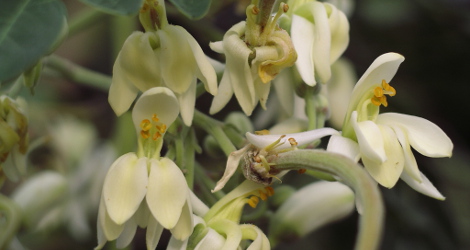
<point>254,56</point>
<point>320,34</point>
<point>385,140</point>
<point>310,208</point>
<point>145,175</point>
<point>260,147</point>
<point>165,55</point>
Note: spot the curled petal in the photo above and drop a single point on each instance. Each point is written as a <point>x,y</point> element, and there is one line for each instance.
<point>302,138</point>
<point>167,192</point>
<point>230,229</point>
<point>130,227</point>
<point>339,26</point>
<point>344,146</point>
<point>187,102</point>
<point>424,136</point>
<point>232,165</point>
<point>411,166</point>
<point>212,241</point>
<point>252,232</point>
<point>369,137</point>
<point>154,232</point>
<point>224,94</point>
<point>388,172</point>
<point>160,101</point>
<point>184,228</point>
<point>107,229</point>
<point>284,91</point>
<point>125,186</point>
<point>425,186</point>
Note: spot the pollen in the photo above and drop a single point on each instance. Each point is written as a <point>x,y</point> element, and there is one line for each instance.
<point>253,201</point>
<point>263,195</point>
<point>380,94</point>
<point>302,171</point>
<point>269,191</point>
<point>292,142</point>
<point>152,128</point>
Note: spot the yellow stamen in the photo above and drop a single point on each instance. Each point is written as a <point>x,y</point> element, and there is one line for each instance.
<point>152,126</point>
<point>262,195</point>
<point>380,93</point>
<point>269,191</point>
<point>144,134</point>
<point>253,201</point>
<point>302,171</point>
<point>155,118</point>
<point>145,125</point>
<point>293,142</point>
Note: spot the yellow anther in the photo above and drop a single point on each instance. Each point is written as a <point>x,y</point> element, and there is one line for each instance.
<point>144,134</point>
<point>269,191</point>
<point>253,201</point>
<point>262,195</point>
<point>144,8</point>
<point>145,125</point>
<point>302,171</point>
<point>155,118</point>
<point>255,10</point>
<point>156,136</point>
<point>262,132</point>
<point>293,142</point>
<point>389,90</point>
<point>161,128</point>
<point>380,93</point>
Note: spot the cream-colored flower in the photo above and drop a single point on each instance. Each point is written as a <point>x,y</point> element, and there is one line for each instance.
<point>165,55</point>
<point>145,175</point>
<point>385,140</point>
<point>255,54</point>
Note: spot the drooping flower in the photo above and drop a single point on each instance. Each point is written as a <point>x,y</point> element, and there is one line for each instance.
<point>144,189</point>
<point>260,146</point>
<point>165,55</point>
<point>255,53</point>
<point>320,35</point>
<point>385,140</point>
<point>14,137</point>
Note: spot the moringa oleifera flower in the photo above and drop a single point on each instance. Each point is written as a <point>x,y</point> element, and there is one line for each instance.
<point>385,140</point>
<point>164,56</point>
<point>255,53</point>
<point>144,189</point>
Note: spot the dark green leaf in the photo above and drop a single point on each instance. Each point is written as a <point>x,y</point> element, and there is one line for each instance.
<point>193,9</point>
<point>29,29</point>
<point>117,7</point>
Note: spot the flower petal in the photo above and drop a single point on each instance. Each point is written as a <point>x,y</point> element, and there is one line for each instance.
<point>314,13</point>
<point>160,101</point>
<point>369,137</point>
<point>232,166</point>
<point>302,138</point>
<point>383,68</point>
<point>344,146</point>
<point>184,228</point>
<point>167,192</point>
<point>230,229</point>
<point>217,46</point>
<point>130,227</point>
<point>211,241</point>
<point>424,136</point>
<point>224,93</point>
<point>106,226</point>
<point>199,208</point>
<point>303,38</point>
<point>388,172</point>
<point>252,232</point>
<point>339,27</point>
<point>204,70</point>
<point>179,67</point>
<point>425,186</point>
<point>125,186</point>
<point>411,166</point>
<point>154,232</point>
<point>237,53</point>
<point>284,90</point>
<point>187,102</point>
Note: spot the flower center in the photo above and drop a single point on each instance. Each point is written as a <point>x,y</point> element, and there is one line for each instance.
<point>152,128</point>
<point>380,93</point>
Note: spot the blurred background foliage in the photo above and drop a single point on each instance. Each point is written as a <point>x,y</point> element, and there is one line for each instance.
<point>433,82</point>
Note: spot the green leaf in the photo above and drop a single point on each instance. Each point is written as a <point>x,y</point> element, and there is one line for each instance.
<point>117,7</point>
<point>194,9</point>
<point>29,29</point>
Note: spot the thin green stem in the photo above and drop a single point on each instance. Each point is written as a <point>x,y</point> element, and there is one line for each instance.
<point>214,128</point>
<point>78,73</point>
<point>368,197</point>
<point>207,183</point>
<point>10,220</point>
<point>85,19</point>
<point>265,10</point>
<point>15,88</point>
